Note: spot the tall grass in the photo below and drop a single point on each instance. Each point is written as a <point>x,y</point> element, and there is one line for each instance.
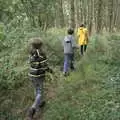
<point>91,92</point>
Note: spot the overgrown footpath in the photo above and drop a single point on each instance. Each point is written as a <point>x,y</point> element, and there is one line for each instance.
<point>91,92</point>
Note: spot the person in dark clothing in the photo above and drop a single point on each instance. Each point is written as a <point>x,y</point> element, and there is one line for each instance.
<point>38,68</point>
<point>83,49</point>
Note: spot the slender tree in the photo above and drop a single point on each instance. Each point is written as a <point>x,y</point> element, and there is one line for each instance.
<point>110,9</point>
<point>99,17</point>
<point>72,14</point>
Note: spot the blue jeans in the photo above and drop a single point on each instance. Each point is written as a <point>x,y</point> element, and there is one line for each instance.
<point>68,62</point>
<point>38,85</point>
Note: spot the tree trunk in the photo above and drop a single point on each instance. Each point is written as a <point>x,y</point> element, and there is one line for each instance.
<point>110,15</point>
<point>99,17</point>
<point>60,10</point>
<point>77,13</point>
<point>91,7</point>
<point>72,13</point>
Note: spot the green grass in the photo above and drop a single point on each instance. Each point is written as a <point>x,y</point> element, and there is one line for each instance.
<point>92,98</point>
<point>92,92</point>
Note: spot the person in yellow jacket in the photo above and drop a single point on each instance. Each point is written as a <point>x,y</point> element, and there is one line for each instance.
<point>82,34</point>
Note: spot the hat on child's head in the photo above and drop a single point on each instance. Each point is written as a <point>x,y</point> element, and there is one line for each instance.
<point>36,43</point>
<point>83,24</point>
<point>70,31</point>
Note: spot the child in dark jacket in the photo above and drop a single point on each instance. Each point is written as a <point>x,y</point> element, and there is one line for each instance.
<point>38,68</point>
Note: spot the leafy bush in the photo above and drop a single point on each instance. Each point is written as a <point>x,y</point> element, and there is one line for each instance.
<point>88,93</point>
<point>91,92</point>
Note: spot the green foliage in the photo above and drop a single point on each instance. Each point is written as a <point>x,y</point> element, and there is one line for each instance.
<point>14,53</point>
<point>89,93</point>
<point>14,63</point>
<point>2,36</point>
<point>36,12</point>
<point>92,92</point>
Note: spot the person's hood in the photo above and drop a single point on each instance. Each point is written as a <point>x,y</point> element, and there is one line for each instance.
<point>68,38</point>
<point>81,28</point>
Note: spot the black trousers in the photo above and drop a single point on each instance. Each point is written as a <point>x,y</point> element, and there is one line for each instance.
<point>83,49</point>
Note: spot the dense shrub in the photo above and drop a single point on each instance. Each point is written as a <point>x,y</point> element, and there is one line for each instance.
<point>88,93</point>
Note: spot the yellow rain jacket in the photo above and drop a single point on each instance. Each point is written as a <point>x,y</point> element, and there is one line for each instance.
<point>82,33</point>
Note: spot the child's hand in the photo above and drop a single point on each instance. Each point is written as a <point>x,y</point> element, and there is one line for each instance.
<point>77,47</point>
<point>50,70</point>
